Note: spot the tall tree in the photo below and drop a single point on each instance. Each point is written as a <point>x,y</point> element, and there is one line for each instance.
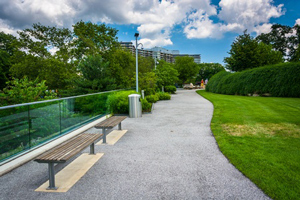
<point>122,67</point>
<point>285,39</point>
<point>207,70</point>
<point>166,74</point>
<point>246,53</point>
<point>8,49</point>
<point>95,75</point>
<point>94,39</point>
<point>186,68</point>
<point>46,55</point>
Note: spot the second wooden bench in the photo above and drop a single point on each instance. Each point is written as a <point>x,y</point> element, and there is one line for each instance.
<point>110,123</point>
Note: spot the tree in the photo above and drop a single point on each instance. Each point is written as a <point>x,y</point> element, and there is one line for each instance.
<point>95,75</point>
<point>207,70</point>
<point>147,82</point>
<point>24,91</point>
<point>166,74</point>
<point>246,53</point>
<point>186,68</point>
<point>122,67</point>
<point>8,48</point>
<point>37,60</point>
<point>94,39</point>
<point>285,39</point>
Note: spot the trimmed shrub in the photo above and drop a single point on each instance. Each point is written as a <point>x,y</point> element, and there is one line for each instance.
<point>170,89</point>
<point>281,80</point>
<point>118,103</point>
<point>146,106</point>
<point>152,98</point>
<point>164,96</point>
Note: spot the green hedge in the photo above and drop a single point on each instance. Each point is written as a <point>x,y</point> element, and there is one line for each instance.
<point>118,103</point>
<point>163,96</point>
<point>281,80</point>
<point>170,89</point>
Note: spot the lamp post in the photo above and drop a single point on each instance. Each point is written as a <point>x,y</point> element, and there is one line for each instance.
<point>136,35</point>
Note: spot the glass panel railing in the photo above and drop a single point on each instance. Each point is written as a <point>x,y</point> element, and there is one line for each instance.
<point>44,122</point>
<point>14,131</point>
<point>25,126</point>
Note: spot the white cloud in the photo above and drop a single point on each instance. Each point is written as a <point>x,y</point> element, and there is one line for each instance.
<point>264,28</point>
<point>297,22</point>
<point>155,19</point>
<point>248,14</point>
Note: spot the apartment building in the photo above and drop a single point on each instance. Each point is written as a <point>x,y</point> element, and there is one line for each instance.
<point>159,53</point>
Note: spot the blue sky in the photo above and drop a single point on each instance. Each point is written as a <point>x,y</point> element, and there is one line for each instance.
<point>206,27</point>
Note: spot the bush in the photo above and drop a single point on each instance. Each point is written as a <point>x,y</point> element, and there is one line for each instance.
<point>170,89</point>
<point>164,96</point>
<point>146,106</point>
<point>281,80</point>
<point>152,98</point>
<point>118,103</point>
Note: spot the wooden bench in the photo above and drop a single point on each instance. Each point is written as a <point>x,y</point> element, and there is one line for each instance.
<point>110,123</point>
<point>66,150</point>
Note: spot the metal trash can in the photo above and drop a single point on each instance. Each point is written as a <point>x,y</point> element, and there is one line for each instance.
<point>135,106</point>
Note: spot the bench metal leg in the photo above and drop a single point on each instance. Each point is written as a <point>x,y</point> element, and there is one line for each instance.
<point>92,148</point>
<point>120,127</point>
<point>104,135</point>
<point>51,177</point>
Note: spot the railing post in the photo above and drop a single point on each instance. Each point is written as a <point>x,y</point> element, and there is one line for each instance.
<point>29,127</point>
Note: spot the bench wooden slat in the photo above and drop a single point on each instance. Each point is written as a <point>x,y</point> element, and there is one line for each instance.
<point>67,149</point>
<point>58,152</point>
<point>111,122</point>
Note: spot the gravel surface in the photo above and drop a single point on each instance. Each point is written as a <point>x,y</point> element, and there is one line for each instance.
<point>169,154</point>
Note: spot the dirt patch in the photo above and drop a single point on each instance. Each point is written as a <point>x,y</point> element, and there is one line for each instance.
<point>263,129</point>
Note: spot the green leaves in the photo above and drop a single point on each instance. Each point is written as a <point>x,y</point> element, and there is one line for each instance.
<point>24,90</point>
<point>186,68</point>
<point>166,74</point>
<point>246,53</point>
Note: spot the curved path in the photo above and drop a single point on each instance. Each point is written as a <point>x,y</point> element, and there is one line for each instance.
<point>169,154</point>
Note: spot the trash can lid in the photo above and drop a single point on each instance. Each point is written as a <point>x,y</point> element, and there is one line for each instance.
<point>134,95</point>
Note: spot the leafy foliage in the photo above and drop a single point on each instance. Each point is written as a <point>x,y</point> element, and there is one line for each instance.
<point>166,74</point>
<point>207,70</point>
<point>8,48</point>
<point>247,53</point>
<point>186,68</point>
<point>147,82</point>
<point>281,80</point>
<point>146,106</point>
<point>118,103</point>
<point>95,75</point>
<point>24,90</point>
<point>94,39</point>
<point>285,39</point>
<point>170,89</point>
<point>122,67</point>
<point>163,96</point>
<point>152,98</point>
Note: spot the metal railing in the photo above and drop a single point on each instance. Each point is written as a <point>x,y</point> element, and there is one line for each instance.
<point>25,126</point>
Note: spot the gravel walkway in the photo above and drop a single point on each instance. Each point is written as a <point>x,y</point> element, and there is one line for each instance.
<point>169,154</point>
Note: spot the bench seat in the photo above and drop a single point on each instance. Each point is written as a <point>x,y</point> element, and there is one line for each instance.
<point>66,150</point>
<point>110,123</point>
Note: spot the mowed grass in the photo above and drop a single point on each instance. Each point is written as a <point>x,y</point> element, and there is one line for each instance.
<point>261,137</point>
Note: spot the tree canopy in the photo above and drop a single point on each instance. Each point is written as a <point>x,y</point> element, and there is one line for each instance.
<point>285,39</point>
<point>186,68</point>
<point>207,70</point>
<point>246,53</point>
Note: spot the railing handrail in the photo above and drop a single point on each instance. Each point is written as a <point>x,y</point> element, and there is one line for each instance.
<point>51,100</point>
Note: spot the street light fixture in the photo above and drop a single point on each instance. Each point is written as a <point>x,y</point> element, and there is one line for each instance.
<point>136,35</point>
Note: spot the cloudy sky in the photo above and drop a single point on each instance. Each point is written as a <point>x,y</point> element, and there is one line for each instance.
<point>206,27</point>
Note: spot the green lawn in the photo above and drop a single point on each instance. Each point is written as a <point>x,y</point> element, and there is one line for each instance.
<point>261,137</point>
